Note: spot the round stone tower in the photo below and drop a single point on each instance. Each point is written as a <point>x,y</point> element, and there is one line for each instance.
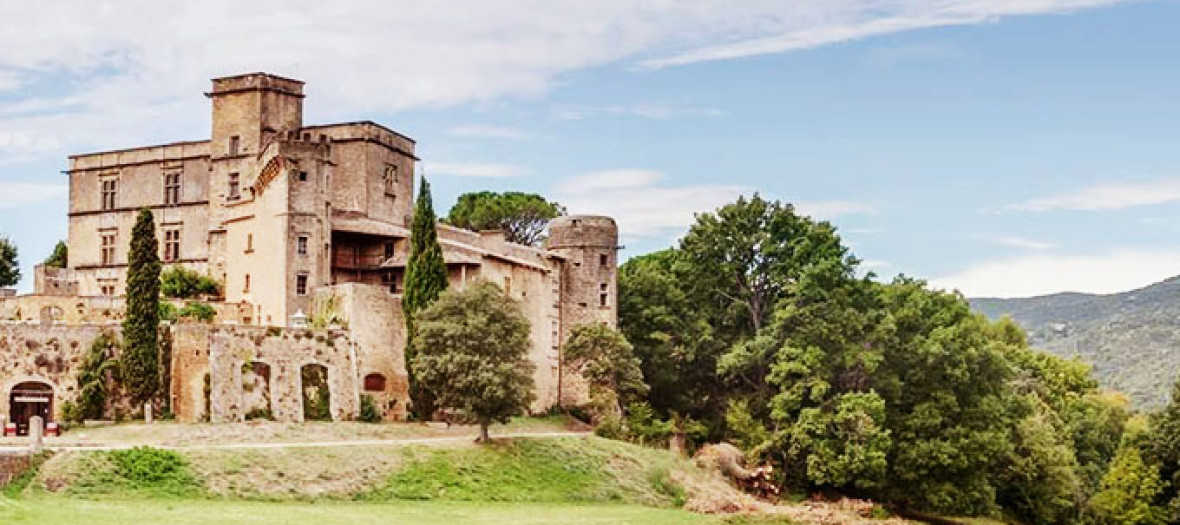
<point>589,245</point>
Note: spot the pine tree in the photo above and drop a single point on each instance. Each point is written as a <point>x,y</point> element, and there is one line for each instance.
<point>425,280</point>
<point>140,361</point>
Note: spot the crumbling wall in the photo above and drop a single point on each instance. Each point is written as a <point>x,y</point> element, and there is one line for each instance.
<point>47,354</point>
<point>376,324</point>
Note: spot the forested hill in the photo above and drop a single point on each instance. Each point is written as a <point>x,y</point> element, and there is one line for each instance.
<point>1131,338</point>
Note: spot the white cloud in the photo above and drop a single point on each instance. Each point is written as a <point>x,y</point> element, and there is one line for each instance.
<point>828,210</point>
<point>472,169</point>
<point>120,75</point>
<point>485,131</point>
<point>1019,242</point>
<point>657,111</point>
<point>640,203</point>
<point>1113,271</point>
<point>20,194</point>
<point>1114,196</point>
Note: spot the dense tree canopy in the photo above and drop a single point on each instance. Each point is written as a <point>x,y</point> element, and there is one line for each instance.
<point>522,217</point>
<point>608,362</point>
<point>471,354</point>
<point>9,265</point>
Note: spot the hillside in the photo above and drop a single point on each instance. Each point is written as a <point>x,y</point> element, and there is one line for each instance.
<point>1131,338</point>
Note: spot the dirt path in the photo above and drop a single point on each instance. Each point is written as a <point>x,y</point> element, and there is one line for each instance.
<point>304,444</point>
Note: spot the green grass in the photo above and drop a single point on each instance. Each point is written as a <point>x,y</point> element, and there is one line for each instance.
<point>62,511</point>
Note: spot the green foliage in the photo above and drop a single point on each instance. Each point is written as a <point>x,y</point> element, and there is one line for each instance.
<point>845,445</point>
<point>19,483</point>
<point>523,217</point>
<point>60,257</point>
<point>143,470</point>
<point>167,311</point>
<point>198,311</point>
<point>1041,482</point>
<point>9,264</point>
<point>140,361</point>
<point>1162,444</point>
<point>178,282</point>
<point>369,412</point>
<point>608,363</point>
<point>425,280</point>
<point>317,397</point>
<point>1129,491</point>
<point>471,354</point>
<point>92,379</point>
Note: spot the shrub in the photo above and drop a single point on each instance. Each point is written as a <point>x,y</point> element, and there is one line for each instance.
<point>259,414</point>
<point>182,283</point>
<point>167,311</point>
<point>147,468</point>
<point>198,311</point>
<point>369,411</point>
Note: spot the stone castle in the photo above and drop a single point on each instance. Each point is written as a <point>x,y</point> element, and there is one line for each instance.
<point>304,226</point>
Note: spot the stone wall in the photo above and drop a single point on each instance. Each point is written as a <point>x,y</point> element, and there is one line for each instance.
<point>219,353</point>
<point>45,354</point>
<point>73,310</point>
<point>12,466</point>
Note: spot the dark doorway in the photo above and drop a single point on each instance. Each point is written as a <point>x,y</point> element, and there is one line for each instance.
<point>30,399</point>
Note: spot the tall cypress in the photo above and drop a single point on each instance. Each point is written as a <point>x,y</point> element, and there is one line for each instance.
<point>425,280</point>
<point>140,361</point>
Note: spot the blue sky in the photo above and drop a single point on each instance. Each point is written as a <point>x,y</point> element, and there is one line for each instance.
<point>1008,148</point>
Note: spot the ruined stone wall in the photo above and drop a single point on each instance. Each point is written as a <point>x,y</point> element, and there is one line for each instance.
<point>72,310</point>
<point>46,354</point>
<point>221,351</point>
<point>12,465</point>
<point>375,322</point>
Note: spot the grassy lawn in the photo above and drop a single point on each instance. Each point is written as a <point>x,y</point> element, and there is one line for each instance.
<point>69,511</point>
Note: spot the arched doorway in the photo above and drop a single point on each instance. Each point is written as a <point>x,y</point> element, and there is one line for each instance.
<point>28,399</point>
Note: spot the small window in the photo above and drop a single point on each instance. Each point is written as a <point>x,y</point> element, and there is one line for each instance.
<point>108,249</point>
<point>391,180</point>
<point>172,188</point>
<point>172,245</point>
<point>388,250</point>
<point>246,288</point>
<point>301,284</point>
<point>374,383</point>
<point>602,294</point>
<point>110,188</point>
<point>234,191</point>
<point>235,144</point>
<point>602,259</point>
<point>303,176</point>
<point>301,245</point>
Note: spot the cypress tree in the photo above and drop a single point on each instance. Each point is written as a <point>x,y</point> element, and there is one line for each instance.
<point>140,361</point>
<point>425,279</point>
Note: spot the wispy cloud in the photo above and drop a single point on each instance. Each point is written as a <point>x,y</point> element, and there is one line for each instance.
<point>1112,271</point>
<point>20,194</point>
<point>1015,241</point>
<point>1113,196</point>
<point>485,131</point>
<point>472,169</point>
<point>651,111</point>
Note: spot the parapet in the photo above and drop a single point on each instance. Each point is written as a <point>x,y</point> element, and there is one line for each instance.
<point>583,231</point>
<point>256,82</point>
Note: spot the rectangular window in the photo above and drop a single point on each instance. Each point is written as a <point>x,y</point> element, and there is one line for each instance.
<point>602,259</point>
<point>107,287</point>
<point>301,245</point>
<point>602,294</point>
<point>109,188</point>
<point>301,284</point>
<point>389,250</point>
<point>234,191</point>
<point>108,248</point>
<point>303,176</point>
<point>172,245</point>
<point>390,179</point>
<point>172,188</point>
<point>235,143</point>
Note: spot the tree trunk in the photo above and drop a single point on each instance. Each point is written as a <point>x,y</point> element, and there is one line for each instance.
<point>483,433</point>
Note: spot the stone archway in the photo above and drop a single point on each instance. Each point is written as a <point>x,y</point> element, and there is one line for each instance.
<point>28,399</point>
<point>317,395</point>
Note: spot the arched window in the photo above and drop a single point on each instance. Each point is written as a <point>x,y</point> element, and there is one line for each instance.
<point>374,383</point>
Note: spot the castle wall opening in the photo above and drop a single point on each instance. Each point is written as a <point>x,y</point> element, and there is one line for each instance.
<point>28,399</point>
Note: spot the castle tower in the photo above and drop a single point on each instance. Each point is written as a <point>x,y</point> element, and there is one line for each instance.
<point>589,244</point>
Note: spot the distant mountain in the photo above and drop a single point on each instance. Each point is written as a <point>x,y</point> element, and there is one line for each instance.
<point>1131,338</point>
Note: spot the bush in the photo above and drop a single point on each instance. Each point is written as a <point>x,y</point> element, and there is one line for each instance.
<point>152,469</point>
<point>179,282</point>
<point>259,414</point>
<point>167,311</point>
<point>198,311</point>
<point>369,411</point>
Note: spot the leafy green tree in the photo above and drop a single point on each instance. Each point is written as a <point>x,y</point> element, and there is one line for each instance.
<point>844,443</point>
<point>1040,482</point>
<point>1095,423</point>
<point>140,360</point>
<point>523,217</point>
<point>471,355</point>
<point>1162,444</point>
<point>608,363</point>
<point>425,280</point>
<point>1131,487</point>
<point>672,338</point>
<point>198,311</point>
<point>92,377</point>
<point>9,265</point>
<point>60,256</point>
